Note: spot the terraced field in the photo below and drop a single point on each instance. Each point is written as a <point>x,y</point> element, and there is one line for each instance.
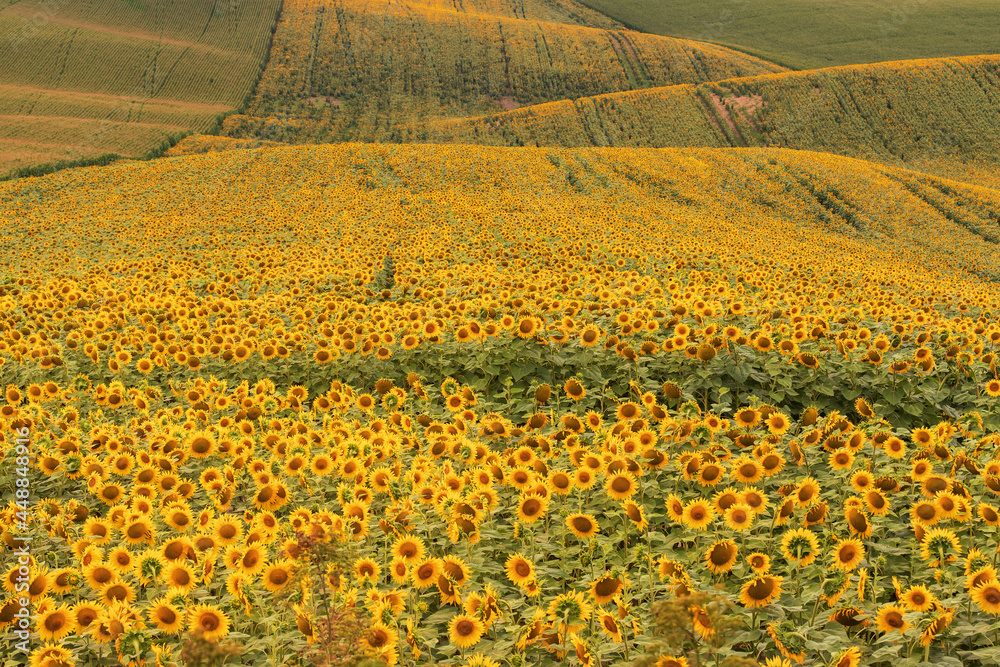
<point>85,79</point>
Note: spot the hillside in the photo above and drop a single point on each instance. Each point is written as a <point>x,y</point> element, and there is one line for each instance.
<point>85,79</point>
<point>361,70</point>
<point>496,333</point>
<point>916,112</point>
<point>433,212</point>
<point>810,34</point>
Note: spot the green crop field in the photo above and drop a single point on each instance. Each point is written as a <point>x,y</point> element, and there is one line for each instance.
<point>84,79</point>
<point>806,34</point>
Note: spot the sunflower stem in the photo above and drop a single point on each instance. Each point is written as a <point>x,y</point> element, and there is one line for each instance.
<point>812,616</point>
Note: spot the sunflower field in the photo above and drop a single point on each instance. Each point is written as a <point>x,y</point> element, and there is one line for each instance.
<point>370,404</point>
<point>914,111</point>
<point>361,70</point>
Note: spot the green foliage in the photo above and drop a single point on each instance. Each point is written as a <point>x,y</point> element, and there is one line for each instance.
<point>806,34</point>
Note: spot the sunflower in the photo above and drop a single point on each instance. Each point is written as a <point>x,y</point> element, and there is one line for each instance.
<point>636,515</point>
<point>848,554</point>
<point>989,514</point>
<point>987,597</point>
<point>721,556</point>
<point>569,612</point>
<point>849,658</point>
<point>924,513</point>
<point>560,482</point>
<point>725,499</point>
<point>165,616</point>
<point>609,625</point>
<point>698,514</point>
<point>627,411</point>
<point>65,579</point>
<point>858,522</point>
<point>531,508</point>
<point>937,626</point>
<point>178,577</point>
<point>807,360</point>
<point>800,545</point>
<point>574,389</point>
<point>111,493</point>
<point>841,459</point>
<point>426,572</point>
<point>864,409</point>
<point>519,569</point>
<point>118,591</point>
<point>55,623</point>
<point>807,492</point>
<point>584,526</point>
<point>408,548</point>
<point>97,530</point>
<point>675,508</point>
<point>739,517</point>
<point>746,470</point>
<point>465,631</point>
<point>178,518</point>
<point>848,617</point>
<point>993,388</point>
<point>277,575</point>
<point>918,598</point>
<point>208,621</point>
<point>366,570</point>
<point>702,622</point>
<point>252,560</point>
<point>97,574</point>
<point>942,543</point>
<point>380,639</point>
<point>604,589</point>
<point>761,591</point>
<point>710,474</point>
<point>621,486</point>
<point>399,570</point>
<point>759,562</point>
<point>227,531</point>
<point>777,423</point>
<point>746,418</point>
<point>890,617</point>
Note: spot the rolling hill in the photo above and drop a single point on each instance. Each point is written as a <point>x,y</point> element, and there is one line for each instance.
<point>417,234</point>
<point>909,112</point>
<point>549,342</point>
<point>84,79</point>
<point>366,70</point>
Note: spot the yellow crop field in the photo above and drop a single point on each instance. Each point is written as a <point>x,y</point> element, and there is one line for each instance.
<point>463,405</point>
<point>85,79</point>
<point>367,70</point>
<point>918,111</point>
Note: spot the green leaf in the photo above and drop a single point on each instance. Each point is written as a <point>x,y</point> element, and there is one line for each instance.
<point>739,372</point>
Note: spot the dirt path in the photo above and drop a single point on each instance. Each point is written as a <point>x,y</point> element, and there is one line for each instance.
<point>746,107</point>
<point>113,100</point>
